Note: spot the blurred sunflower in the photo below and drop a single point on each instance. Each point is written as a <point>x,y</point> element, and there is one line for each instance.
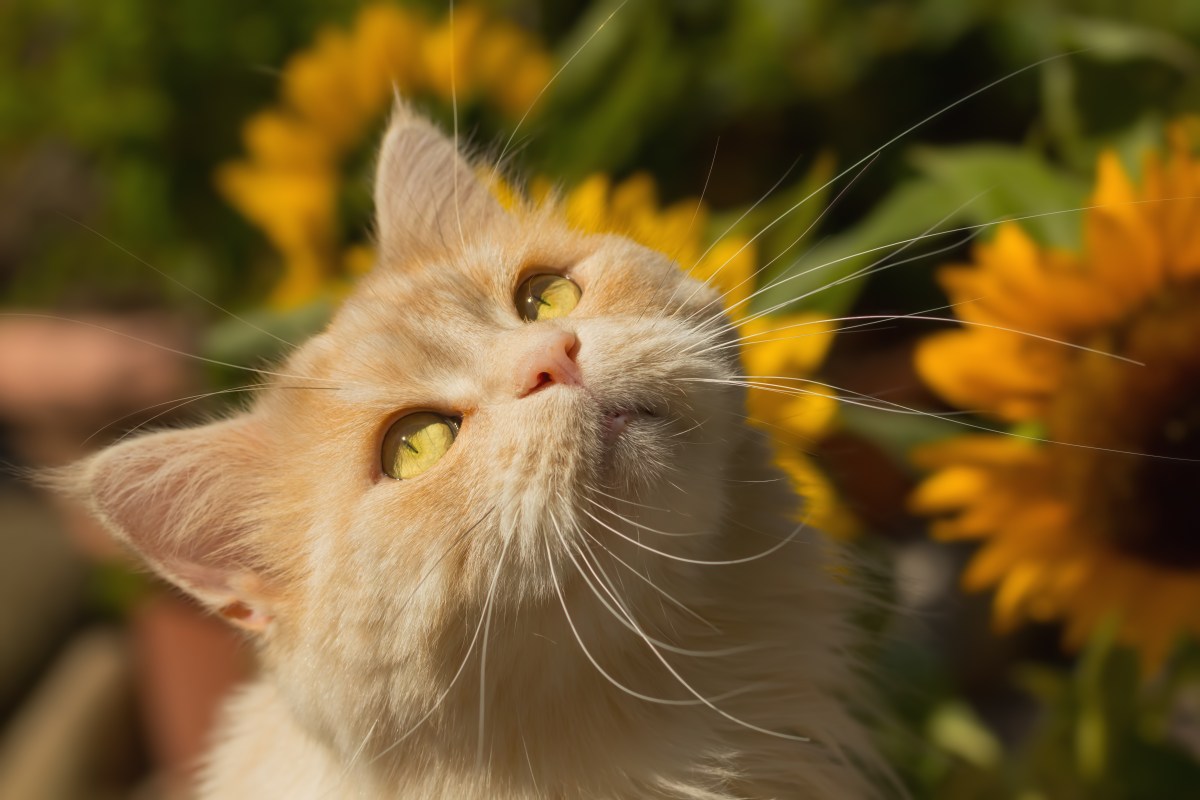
<point>290,185</point>
<point>1099,522</point>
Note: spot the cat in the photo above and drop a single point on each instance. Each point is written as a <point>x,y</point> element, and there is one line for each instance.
<point>502,531</point>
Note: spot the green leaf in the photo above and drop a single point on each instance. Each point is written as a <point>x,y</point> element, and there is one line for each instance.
<point>829,276</point>
<point>998,182</point>
<point>1119,40</point>
<point>973,187</point>
<point>898,434</point>
<point>957,729</point>
<point>251,338</point>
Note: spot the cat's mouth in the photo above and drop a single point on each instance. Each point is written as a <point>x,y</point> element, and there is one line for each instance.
<point>618,420</point>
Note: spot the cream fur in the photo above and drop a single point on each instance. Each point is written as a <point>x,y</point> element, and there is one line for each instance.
<point>371,600</point>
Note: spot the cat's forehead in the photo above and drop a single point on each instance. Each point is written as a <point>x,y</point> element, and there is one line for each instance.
<point>423,325</point>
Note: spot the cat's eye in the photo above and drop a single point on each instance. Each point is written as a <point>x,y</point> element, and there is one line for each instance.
<point>547,296</point>
<point>416,442</point>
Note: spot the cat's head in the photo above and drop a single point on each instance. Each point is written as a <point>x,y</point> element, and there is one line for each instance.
<point>498,394</point>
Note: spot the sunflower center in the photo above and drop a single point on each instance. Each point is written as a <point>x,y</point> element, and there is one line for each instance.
<point>1137,480</point>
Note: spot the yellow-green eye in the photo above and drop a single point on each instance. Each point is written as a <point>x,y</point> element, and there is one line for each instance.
<point>547,296</point>
<point>416,442</point>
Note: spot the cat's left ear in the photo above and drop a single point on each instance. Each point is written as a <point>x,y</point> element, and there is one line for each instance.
<point>427,196</point>
<point>185,502</point>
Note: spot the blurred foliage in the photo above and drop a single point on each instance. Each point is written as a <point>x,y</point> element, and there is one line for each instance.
<point>894,131</point>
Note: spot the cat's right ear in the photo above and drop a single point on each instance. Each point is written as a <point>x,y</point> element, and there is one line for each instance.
<point>427,196</point>
<point>185,502</point>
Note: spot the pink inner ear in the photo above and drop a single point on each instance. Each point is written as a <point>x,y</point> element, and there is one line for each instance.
<point>426,194</point>
<point>245,617</point>
<point>180,500</point>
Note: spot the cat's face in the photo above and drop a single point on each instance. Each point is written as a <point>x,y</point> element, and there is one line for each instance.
<point>437,449</point>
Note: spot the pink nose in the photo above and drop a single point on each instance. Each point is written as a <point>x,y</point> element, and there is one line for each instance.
<point>550,360</point>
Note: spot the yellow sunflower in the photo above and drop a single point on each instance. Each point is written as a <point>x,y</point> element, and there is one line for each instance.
<point>289,183</point>
<point>1098,520</point>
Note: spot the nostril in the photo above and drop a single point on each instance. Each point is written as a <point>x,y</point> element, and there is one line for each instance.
<point>550,361</point>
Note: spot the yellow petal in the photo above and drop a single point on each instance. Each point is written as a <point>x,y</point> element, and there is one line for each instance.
<point>730,266</point>
<point>387,54</point>
<point>447,54</point>
<point>1122,250</point>
<point>586,205</point>
<point>319,85</point>
<point>287,142</point>
<point>1000,373</point>
<point>947,490</point>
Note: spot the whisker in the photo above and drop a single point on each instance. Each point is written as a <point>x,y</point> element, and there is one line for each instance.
<point>707,702</point>
<point>178,400</point>
<point>163,347</point>
<point>923,317</point>
<point>874,268</point>
<point>812,225</point>
<point>173,405</point>
<point>663,592</point>
<point>874,153</point>
<point>579,639</point>
<point>174,280</point>
<point>625,616</point>
<point>487,627</point>
<point>691,223</point>
<point>684,559</point>
<point>466,657</point>
<point>554,77</point>
<point>638,524</point>
<point>591,488</point>
<point>898,408</point>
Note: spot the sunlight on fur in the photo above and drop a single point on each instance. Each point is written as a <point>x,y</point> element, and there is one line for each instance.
<point>595,590</point>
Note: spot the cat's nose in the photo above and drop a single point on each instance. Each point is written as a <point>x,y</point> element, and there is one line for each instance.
<point>550,360</point>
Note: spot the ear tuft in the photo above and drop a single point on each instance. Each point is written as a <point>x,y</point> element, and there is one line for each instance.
<point>427,196</point>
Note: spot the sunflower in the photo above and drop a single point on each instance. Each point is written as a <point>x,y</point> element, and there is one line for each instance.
<point>1088,515</point>
<point>290,183</point>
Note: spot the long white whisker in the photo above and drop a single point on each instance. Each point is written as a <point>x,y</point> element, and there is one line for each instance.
<point>156,345</point>
<point>172,405</point>
<point>454,111</point>
<point>625,615</point>
<point>587,653</point>
<point>663,592</point>
<point>176,281</point>
<point>487,604</point>
<point>922,316</point>
<point>629,502</point>
<point>707,702</point>
<point>487,627</point>
<point>900,408</point>
<point>638,524</point>
<point>807,230</point>
<point>685,560</point>
<point>875,267</point>
<point>554,77</point>
<point>893,140</point>
<point>606,584</point>
<point>177,402</point>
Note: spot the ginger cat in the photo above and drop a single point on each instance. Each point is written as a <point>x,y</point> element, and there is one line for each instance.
<point>502,531</point>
